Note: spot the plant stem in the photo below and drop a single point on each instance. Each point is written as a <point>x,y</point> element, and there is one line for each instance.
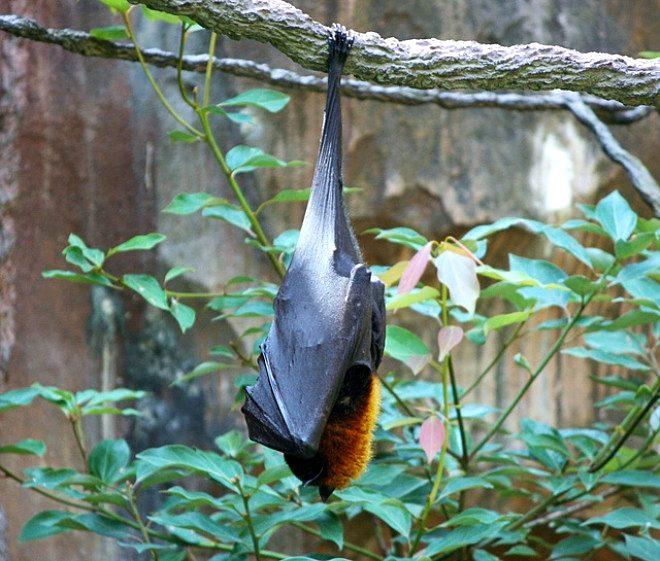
<point>496,359</point>
<point>347,545</point>
<point>421,529</point>
<point>388,387</point>
<point>76,425</point>
<point>532,378</point>
<point>11,475</point>
<point>138,519</point>
<point>459,416</point>
<point>254,222</point>
<point>209,70</point>
<point>626,428</point>
<point>179,68</point>
<point>154,85</point>
<point>248,521</point>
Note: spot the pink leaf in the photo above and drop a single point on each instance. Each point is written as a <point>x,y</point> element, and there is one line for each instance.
<point>448,338</point>
<point>459,274</point>
<point>415,269</point>
<point>432,436</point>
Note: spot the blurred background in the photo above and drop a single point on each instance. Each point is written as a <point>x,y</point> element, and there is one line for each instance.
<point>83,148</point>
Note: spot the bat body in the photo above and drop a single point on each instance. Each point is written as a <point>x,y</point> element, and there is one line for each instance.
<point>317,396</point>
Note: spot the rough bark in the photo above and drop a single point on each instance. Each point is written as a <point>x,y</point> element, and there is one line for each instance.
<point>83,43</point>
<point>427,63</point>
<point>4,551</point>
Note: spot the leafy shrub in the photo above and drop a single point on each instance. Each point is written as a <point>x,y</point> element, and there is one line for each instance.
<point>438,453</point>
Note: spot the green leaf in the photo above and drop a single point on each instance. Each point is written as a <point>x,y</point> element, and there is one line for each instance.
<point>187,203</point>
<point>402,236</point>
<point>498,322</point>
<point>88,278</point>
<point>17,398</point>
<point>160,16</point>
<point>231,443</point>
<point>639,243</point>
<point>463,483</point>
<point>182,136</point>
<point>636,271</point>
<point>94,256</point>
<point>331,528</point>
<point>184,315</point>
<point>298,195</point>
<point>241,159</point>
<point>522,550</point>
<point>109,33</point>
<point>74,255</point>
<point>482,555</point>
<point>644,289</point>
<point>601,260</point>
<point>270,100</point>
<point>625,518</point>
<point>581,285</point>
<point>574,545</point>
<point>472,516</point>
<point>175,272</point>
<point>109,459</point>
<point>273,474</point>
<point>632,478</point>
<point>406,347</point>
<point>147,287</point>
<point>28,447</point>
<point>617,342</point>
<point>393,513</point>
<point>98,524</point>
<point>606,357</point>
<point>555,236</point>
<point>644,548</point>
<point>202,370</point>
<point>253,308</point>
<point>412,297</point>
<point>137,243</point>
<point>227,302</point>
<point>119,5</point>
<point>48,477</point>
<point>231,214</point>
<point>198,522</point>
<point>176,456</point>
<point>616,217</point>
<point>43,525</point>
<point>460,537</point>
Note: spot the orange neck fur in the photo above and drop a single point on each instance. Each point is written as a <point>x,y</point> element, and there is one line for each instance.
<point>346,444</point>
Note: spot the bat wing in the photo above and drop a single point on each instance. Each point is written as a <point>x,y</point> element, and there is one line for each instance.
<point>329,314</point>
<point>321,329</point>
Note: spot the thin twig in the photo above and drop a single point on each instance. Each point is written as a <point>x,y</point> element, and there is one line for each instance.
<point>612,447</point>
<point>539,370</point>
<point>639,176</point>
<point>496,359</point>
<point>347,545</point>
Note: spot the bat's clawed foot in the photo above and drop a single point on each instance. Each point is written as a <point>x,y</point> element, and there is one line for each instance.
<point>340,41</point>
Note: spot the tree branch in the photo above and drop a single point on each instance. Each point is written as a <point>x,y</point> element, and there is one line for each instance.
<point>582,106</point>
<point>639,176</point>
<point>82,43</point>
<point>427,63</point>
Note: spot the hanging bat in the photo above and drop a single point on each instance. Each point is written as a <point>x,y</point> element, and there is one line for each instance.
<point>317,396</point>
